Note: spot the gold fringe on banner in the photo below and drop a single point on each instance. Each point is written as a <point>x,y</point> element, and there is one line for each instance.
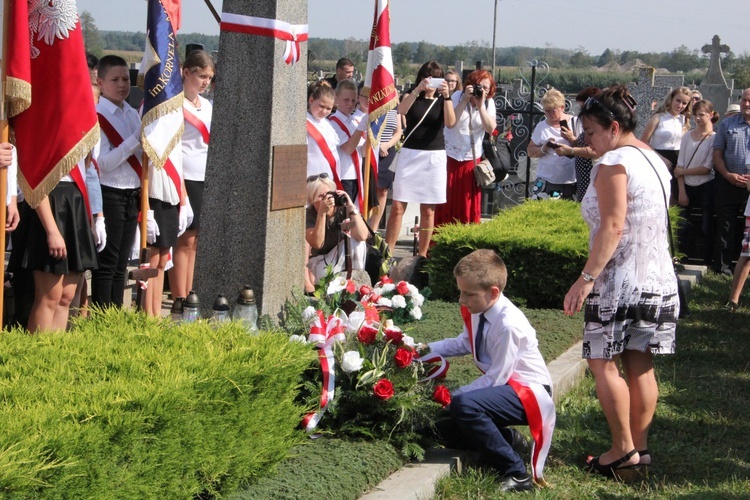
<point>375,141</point>
<point>35,196</point>
<point>170,106</point>
<point>19,95</point>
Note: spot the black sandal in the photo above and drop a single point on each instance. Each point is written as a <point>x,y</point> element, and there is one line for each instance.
<point>644,453</point>
<point>615,470</point>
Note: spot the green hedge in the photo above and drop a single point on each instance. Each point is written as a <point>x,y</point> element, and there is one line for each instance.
<point>133,407</point>
<point>543,243</point>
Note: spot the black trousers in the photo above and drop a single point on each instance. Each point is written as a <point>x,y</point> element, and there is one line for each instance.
<point>730,204</point>
<point>120,208</point>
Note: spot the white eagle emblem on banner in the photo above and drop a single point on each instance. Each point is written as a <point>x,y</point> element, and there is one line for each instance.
<point>50,19</point>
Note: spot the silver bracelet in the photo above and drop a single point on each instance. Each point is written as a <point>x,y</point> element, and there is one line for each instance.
<point>588,278</point>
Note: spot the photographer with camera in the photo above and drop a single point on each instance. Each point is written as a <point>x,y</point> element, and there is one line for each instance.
<point>330,217</point>
<point>475,116</point>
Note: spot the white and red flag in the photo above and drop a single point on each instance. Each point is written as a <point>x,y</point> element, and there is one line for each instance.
<point>379,75</point>
<point>49,89</point>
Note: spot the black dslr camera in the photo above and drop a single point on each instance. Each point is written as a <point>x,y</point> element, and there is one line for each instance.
<point>477,91</point>
<point>339,200</point>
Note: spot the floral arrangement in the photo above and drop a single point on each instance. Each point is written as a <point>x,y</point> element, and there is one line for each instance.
<point>373,381</point>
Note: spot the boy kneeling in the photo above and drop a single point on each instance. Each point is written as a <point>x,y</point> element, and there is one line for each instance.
<point>515,388</point>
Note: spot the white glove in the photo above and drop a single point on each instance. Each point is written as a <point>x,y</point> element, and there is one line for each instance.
<point>186,217</point>
<point>100,234</point>
<point>363,123</point>
<point>152,228</point>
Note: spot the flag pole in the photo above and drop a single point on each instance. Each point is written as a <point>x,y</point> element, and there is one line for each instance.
<point>213,11</point>
<point>4,135</point>
<point>366,173</point>
<point>143,273</point>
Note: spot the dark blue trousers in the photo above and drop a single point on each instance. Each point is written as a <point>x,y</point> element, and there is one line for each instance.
<point>483,416</point>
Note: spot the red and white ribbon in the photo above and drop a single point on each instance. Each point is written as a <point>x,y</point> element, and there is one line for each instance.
<point>293,34</point>
<point>324,333</point>
<point>439,371</point>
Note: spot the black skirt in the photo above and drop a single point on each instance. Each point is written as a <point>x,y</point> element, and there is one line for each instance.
<point>195,195</point>
<point>167,216</point>
<point>30,249</point>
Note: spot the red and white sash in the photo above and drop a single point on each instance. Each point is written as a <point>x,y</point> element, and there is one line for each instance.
<point>313,132</point>
<point>116,139</point>
<point>537,404</point>
<point>76,173</point>
<point>198,124</point>
<point>355,161</point>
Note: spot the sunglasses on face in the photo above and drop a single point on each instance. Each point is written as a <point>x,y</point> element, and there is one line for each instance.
<point>312,178</point>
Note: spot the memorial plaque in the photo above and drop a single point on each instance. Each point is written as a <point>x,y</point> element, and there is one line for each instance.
<point>289,175</point>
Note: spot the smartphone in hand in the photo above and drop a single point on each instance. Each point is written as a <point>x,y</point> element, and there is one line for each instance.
<point>552,144</point>
<point>564,123</point>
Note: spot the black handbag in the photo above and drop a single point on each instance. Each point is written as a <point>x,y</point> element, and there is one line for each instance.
<point>498,153</point>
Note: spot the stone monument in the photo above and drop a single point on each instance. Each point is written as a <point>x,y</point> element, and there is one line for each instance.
<point>252,228</point>
<point>714,86</point>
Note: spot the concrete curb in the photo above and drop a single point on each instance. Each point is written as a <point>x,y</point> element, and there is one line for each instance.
<point>416,481</point>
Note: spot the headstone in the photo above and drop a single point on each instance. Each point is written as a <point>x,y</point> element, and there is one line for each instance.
<point>649,89</point>
<point>252,227</point>
<point>714,86</point>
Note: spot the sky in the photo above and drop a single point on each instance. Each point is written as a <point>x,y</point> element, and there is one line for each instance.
<point>595,25</point>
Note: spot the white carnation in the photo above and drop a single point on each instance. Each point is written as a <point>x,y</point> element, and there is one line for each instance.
<point>336,285</point>
<point>417,299</point>
<point>388,287</point>
<point>356,318</point>
<point>309,314</point>
<point>416,313</point>
<point>351,362</point>
<point>412,289</point>
<point>298,338</point>
<point>398,301</point>
<point>385,302</point>
<point>408,340</point>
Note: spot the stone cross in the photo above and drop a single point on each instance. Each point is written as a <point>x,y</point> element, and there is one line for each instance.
<point>252,227</point>
<point>714,75</point>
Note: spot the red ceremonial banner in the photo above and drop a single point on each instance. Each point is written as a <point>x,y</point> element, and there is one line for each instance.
<point>52,110</point>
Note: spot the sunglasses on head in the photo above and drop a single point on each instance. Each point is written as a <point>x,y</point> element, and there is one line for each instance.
<point>312,178</point>
<point>593,101</point>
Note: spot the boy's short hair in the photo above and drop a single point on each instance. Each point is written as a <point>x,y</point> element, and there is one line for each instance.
<point>484,267</point>
<point>107,62</point>
<point>346,85</point>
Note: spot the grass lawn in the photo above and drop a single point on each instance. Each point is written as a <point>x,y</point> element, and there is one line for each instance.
<point>699,438</point>
<point>354,467</point>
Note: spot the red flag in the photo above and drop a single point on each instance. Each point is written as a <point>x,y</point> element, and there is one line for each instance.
<point>174,12</point>
<point>379,75</point>
<point>54,118</point>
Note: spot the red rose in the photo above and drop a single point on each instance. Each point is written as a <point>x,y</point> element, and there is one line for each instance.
<point>402,288</point>
<point>383,389</point>
<point>385,279</point>
<point>374,298</point>
<point>441,395</point>
<point>367,334</point>
<point>351,286</point>
<point>394,335</point>
<point>495,133</point>
<point>403,357</point>
<point>365,290</point>
<point>371,313</point>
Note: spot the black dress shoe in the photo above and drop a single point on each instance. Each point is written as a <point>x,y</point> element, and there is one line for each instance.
<point>520,444</point>
<point>516,483</point>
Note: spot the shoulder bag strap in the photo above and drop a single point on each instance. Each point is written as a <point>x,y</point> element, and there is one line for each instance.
<point>695,151</point>
<point>664,194</point>
<point>420,121</point>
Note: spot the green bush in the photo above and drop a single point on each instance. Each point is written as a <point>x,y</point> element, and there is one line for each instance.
<point>543,243</point>
<point>134,407</point>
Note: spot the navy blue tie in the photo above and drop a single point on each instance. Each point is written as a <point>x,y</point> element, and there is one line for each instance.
<point>480,338</point>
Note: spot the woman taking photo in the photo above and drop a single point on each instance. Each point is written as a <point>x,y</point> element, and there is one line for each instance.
<point>329,215</point>
<point>475,116</point>
<point>556,175</point>
<point>420,166</point>
<point>197,73</point>
<point>695,175</point>
<point>628,283</point>
<point>583,157</point>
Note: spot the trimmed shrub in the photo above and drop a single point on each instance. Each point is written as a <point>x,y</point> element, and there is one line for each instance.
<point>135,407</point>
<point>543,243</point>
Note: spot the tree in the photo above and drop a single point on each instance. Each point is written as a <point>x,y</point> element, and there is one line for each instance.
<point>92,39</point>
<point>402,53</point>
<point>607,57</point>
<point>581,60</point>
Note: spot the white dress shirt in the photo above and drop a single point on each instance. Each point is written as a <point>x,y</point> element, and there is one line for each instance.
<point>114,170</point>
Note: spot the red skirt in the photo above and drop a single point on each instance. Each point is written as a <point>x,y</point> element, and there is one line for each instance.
<point>464,197</point>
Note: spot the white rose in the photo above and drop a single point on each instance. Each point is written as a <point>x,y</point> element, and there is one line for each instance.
<point>416,313</point>
<point>408,340</point>
<point>298,338</point>
<point>412,289</point>
<point>336,285</point>
<point>418,299</point>
<point>385,302</point>
<point>398,301</point>
<point>351,362</point>
<point>309,314</point>
<point>388,287</point>
<point>356,318</point>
